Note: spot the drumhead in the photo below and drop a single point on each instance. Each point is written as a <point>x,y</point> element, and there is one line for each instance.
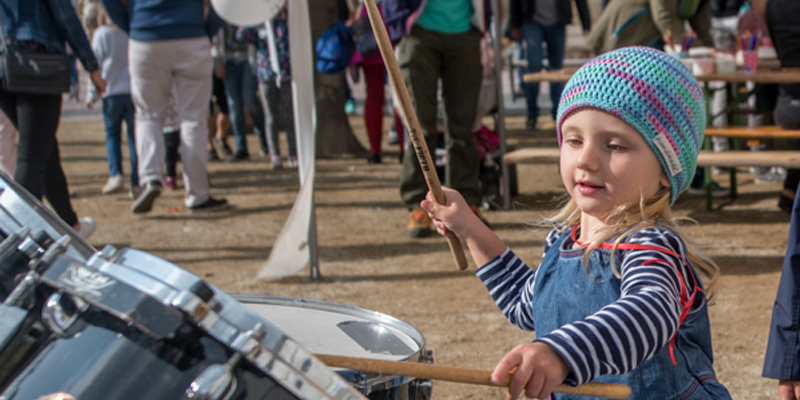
<point>339,329</point>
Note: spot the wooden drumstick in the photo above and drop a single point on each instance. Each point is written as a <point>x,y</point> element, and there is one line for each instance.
<point>463,375</point>
<point>410,116</point>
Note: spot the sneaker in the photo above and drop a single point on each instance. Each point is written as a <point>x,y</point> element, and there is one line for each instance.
<point>773,175</point>
<point>350,106</point>
<point>86,227</point>
<point>135,192</point>
<point>239,157</point>
<point>374,159</point>
<point>170,183</point>
<point>223,146</point>
<point>114,184</point>
<point>716,190</point>
<point>292,163</point>
<point>144,201</point>
<point>276,162</point>
<point>212,155</point>
<point>419,224</point>
<point>211,204</point>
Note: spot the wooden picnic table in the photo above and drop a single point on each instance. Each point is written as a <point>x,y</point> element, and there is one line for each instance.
<point>761,76</point>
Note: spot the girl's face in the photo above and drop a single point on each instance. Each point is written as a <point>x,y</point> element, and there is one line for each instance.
<point>605,162</point>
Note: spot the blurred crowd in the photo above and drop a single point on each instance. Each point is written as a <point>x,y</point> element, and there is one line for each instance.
<point>179,80</point>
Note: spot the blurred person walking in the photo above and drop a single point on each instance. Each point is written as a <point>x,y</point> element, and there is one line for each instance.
<point>273,69</point>
<point>170,44</point>
<point>440,42</point>
<point>542,25</point>
<point>241,89</point>
<point>110,46</point>
<point>44,26</point>
<point>371,64</point>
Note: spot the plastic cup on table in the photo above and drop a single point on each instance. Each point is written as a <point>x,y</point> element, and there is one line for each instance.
<point>750,61</point>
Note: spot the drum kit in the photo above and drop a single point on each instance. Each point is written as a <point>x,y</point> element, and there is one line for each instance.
<point>76,323</point>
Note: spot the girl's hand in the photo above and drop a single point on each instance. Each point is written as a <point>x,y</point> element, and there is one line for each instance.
<point>452,216</point>
<point>537,369</point>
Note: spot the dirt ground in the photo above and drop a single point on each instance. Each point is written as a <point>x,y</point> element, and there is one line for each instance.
<point>368,261</point>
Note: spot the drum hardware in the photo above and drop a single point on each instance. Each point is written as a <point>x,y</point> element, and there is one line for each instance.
<point>11,265</point>
<point>217,382</point>
<point>422,389</point>
<point>39,260</point>
<point>56,318</point>
<point>158,309</point>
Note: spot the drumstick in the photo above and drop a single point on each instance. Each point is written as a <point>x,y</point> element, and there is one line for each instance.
<point>410,116</point>
<point>463,375</point>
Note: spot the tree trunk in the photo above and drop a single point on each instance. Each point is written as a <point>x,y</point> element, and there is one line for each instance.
<point>334,134</point>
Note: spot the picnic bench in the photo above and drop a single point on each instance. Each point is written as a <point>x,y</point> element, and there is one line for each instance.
<point>706,158</point>
<point>732,158</point>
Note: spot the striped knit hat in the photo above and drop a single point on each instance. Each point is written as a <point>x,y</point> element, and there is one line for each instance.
<point>654,93</point>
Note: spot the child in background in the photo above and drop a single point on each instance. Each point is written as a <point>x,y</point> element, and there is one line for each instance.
<point>617,297</point>
<point>275,82</point>
<point>110,46</point>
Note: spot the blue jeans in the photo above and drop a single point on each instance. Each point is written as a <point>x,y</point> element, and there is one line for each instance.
<point>535,35</point>
<point>118,109</point>
<point>241,88</point>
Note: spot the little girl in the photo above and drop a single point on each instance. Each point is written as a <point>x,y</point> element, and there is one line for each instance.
<point>617,297</point>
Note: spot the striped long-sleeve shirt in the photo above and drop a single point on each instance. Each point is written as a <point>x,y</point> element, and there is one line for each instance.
<point>657,284</point>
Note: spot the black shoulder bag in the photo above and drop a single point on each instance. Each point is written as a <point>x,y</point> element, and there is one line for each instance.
<point>28,71</point>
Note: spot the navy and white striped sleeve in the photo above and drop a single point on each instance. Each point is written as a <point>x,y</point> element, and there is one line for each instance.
<point>510,283</point>
<point>642,321</point>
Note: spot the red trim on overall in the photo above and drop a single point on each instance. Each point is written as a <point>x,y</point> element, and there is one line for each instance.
<point>686,304</point>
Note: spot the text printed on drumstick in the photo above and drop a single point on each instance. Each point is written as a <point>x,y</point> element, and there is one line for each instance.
<point>421,148</point>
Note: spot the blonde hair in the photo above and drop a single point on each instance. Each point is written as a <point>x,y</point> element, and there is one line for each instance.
<point>627,219</point>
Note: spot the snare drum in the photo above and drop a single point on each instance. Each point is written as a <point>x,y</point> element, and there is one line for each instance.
<point>128,325</point>
<point>338,329</point>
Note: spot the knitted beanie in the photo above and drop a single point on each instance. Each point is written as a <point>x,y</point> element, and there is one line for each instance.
<point>654,93</point>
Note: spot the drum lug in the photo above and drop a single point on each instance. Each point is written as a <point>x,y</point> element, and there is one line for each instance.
<point>216,382</point>
<point>426,356</point>
<point>56,318</point>
<point>40,259</point>
<point>107,252</point>
<point>359,380</point>
<point>419,389</point>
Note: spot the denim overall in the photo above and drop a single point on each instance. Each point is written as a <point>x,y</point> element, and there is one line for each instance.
<point>564,294</point>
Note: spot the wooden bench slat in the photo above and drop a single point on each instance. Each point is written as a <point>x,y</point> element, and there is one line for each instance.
<point>760,132</point>
<point>768,158</point>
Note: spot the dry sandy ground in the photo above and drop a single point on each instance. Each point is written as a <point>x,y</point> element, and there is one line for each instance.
<point>368,261</point>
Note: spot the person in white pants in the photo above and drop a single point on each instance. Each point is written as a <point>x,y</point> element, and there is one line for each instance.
<point>170,45</point>
<point>155,66</point>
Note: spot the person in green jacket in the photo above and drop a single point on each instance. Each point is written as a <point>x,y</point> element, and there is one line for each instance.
<point>647,22</point>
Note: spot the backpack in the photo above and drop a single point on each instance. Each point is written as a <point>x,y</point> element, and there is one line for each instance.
<point>334,49</point>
